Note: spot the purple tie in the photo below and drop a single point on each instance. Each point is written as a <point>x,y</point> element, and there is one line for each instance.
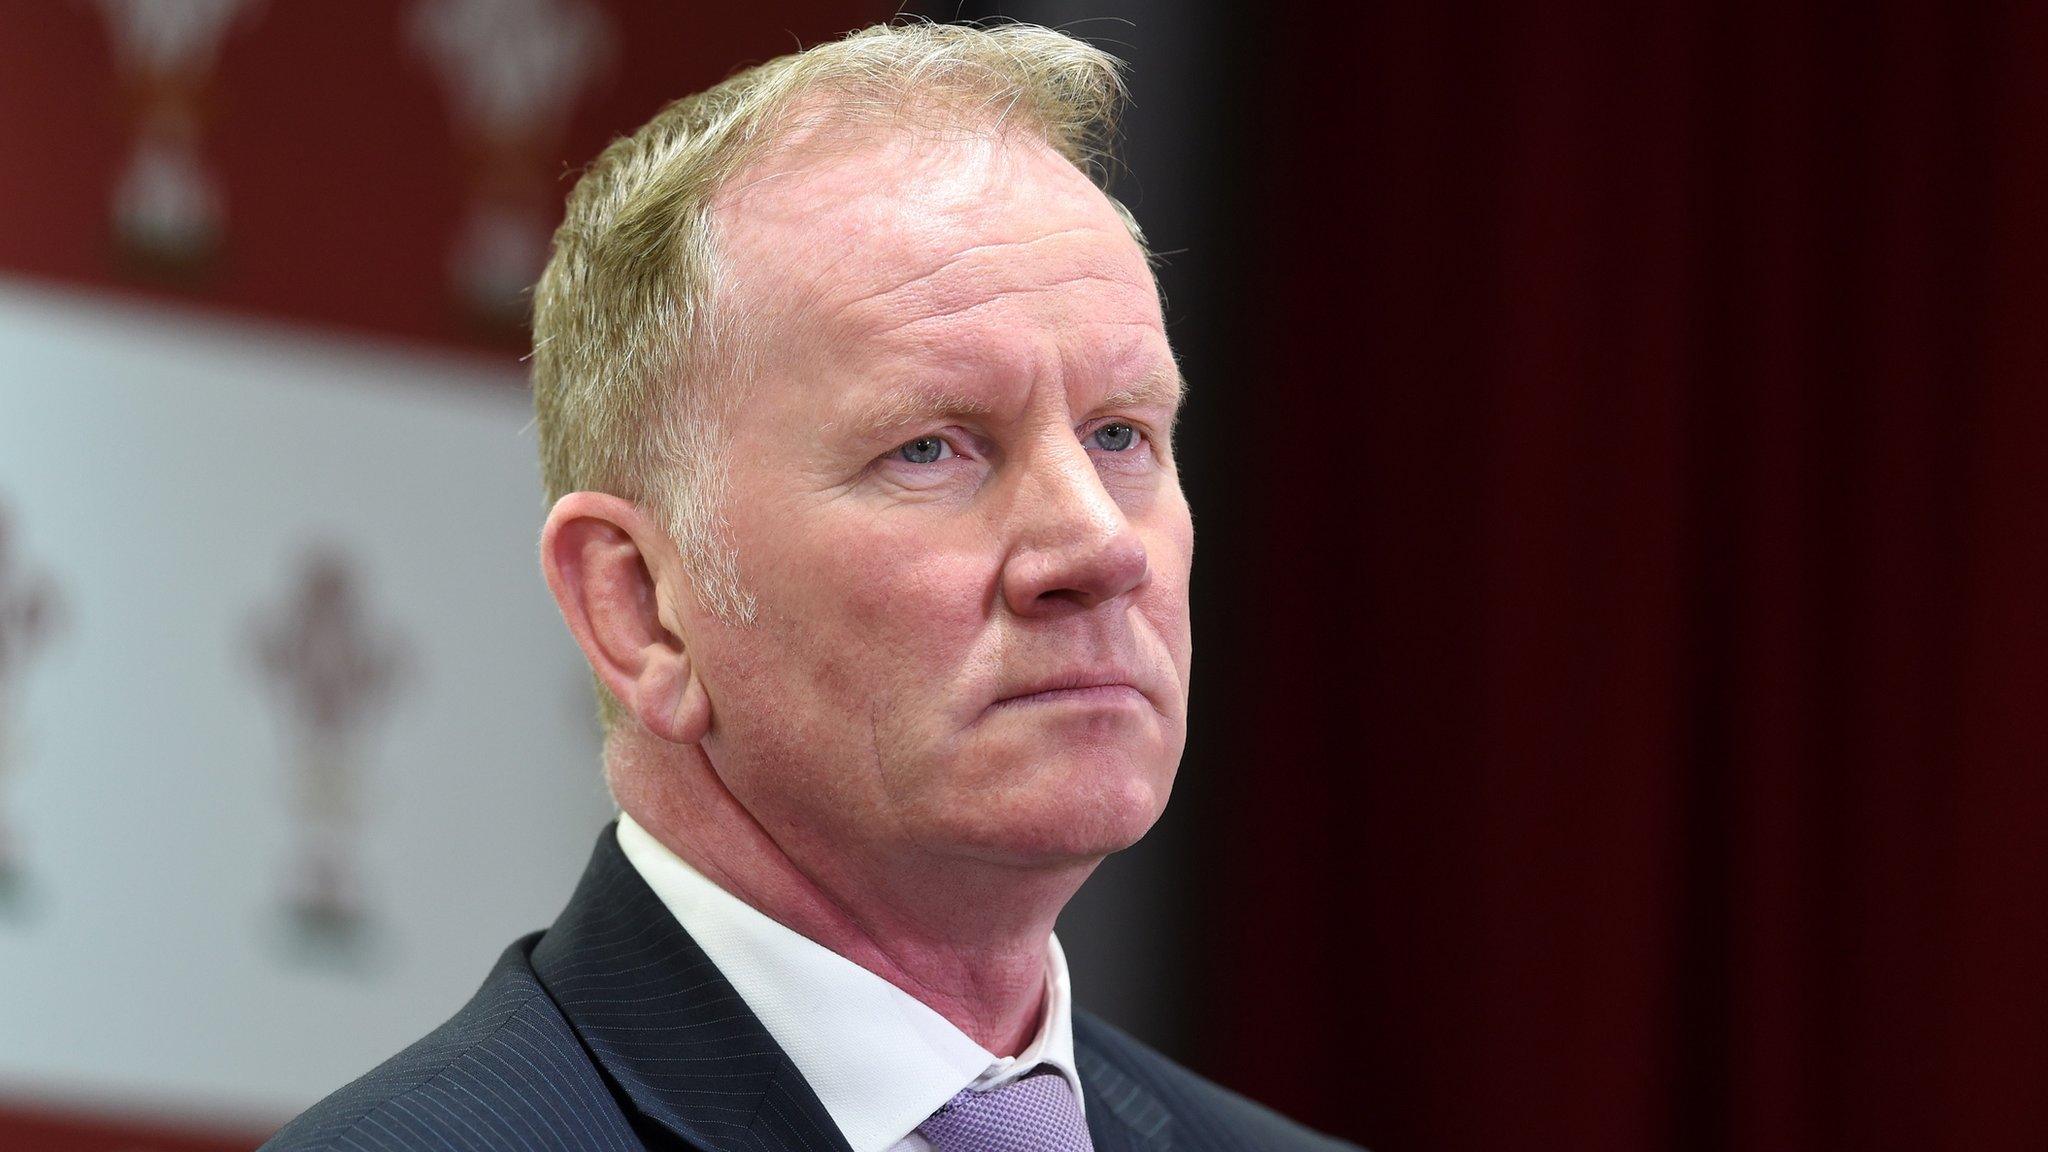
<point>1034,1113</point>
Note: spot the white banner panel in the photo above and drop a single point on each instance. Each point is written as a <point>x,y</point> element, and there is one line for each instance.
<point>292,741</point>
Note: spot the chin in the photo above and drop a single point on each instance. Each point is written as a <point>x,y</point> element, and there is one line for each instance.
<point>1063,820</point>
<point>1065,788</point>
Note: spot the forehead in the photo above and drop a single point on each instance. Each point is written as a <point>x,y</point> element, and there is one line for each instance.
<point>905,242</point>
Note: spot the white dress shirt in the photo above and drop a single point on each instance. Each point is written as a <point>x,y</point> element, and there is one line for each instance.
<point>879,1060</point>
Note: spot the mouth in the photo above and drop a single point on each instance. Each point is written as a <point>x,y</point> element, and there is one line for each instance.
<point>1114,694</point>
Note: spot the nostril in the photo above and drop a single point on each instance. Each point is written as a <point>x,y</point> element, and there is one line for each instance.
<point>1086,574</point>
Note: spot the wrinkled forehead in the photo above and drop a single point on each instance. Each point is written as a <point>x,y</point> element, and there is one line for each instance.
<point>847,216</point>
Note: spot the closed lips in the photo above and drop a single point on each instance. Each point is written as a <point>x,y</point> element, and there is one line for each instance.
<point>1090,685</point>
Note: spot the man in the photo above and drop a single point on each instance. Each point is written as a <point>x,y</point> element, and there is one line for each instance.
<point>856,406</point>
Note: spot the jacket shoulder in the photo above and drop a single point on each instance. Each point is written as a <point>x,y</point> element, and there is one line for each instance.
<point>1205,1114</point>
<point>506,1071</point>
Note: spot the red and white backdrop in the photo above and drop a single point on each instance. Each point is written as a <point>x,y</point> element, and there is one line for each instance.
<point>291,742</point>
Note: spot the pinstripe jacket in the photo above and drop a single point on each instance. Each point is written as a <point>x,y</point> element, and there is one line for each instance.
<point>612,1031</point>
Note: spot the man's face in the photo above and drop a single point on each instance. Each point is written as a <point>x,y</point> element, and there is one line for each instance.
<point>940,501</point>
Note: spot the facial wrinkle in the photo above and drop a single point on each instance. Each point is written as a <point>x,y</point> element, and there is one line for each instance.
<point>970,250</point>
<point>964,309</point>
<point>949,262</point>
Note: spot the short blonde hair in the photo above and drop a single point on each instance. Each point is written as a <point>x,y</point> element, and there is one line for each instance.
<point>635,368</point>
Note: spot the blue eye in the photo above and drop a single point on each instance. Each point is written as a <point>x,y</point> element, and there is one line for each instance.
<point>924,450</point>
<point>1116,437</point>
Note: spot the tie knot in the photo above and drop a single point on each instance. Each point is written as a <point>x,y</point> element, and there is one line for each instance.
<point>1036,1112</point>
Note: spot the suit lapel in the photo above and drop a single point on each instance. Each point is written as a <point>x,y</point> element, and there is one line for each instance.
<point>666,1025</point>
<point>1122,1116</point>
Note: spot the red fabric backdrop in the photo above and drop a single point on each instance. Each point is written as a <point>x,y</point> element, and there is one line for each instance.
<point>1642,743</point>
<point>38,1129</point>
<point>330,131</point>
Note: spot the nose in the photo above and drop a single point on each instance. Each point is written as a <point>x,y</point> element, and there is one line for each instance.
<point>1075,546</point>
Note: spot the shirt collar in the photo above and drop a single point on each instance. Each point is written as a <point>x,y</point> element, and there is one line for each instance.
<point>878,1058</point>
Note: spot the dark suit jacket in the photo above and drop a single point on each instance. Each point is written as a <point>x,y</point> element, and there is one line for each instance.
<point>612,1030</point>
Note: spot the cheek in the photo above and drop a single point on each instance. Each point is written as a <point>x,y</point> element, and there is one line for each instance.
<point>879,617</point>
<point>854,672</point>
<point>1172,549</point>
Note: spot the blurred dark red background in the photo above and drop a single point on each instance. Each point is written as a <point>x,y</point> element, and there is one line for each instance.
<point>1614,450</point>
<point>1642,646</point>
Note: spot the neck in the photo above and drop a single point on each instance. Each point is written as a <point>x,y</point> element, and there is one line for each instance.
<point>966,938</point>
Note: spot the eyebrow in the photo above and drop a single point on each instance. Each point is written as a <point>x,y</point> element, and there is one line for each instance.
<point>922,401</point>
<point>910,404</point>
<point>1163,387</point>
